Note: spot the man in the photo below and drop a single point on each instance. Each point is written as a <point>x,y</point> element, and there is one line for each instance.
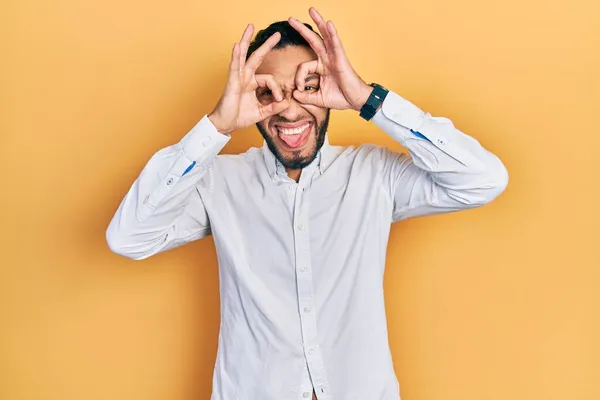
<point>301,226</point>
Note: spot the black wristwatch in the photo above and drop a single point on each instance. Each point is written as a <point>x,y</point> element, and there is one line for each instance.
<point>377,96</point>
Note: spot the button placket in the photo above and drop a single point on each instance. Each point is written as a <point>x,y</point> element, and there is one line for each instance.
<point>304,280</point>
<point>306,300</point>
<point>306,386</point>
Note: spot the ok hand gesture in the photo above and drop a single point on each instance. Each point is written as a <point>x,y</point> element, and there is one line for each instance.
<point>340,87</point>
<point>238,106</point>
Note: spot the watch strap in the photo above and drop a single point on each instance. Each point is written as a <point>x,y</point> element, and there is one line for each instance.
<point>378,94</point>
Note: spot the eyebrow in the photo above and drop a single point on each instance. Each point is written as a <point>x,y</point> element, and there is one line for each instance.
<point>311,76</point>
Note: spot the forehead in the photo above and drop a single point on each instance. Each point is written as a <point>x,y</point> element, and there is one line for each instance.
<point>283,63</point>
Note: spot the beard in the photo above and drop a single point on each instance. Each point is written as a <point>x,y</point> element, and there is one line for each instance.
<point>297,161</point>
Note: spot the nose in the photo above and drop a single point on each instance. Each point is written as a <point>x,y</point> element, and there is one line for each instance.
<point>294,111</point>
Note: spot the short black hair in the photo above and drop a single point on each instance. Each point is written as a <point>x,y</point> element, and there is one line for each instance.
<point>289,37</point>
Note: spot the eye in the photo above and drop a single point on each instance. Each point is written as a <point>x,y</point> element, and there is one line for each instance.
<point>264,96</point>
<point>310,88</point>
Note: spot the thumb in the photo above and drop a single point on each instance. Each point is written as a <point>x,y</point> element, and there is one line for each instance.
<point>308,98</point>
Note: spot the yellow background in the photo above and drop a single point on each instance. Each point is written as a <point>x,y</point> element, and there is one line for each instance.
<point>497,303</point>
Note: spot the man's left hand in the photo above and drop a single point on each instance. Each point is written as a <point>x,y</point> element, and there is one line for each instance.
<point>340,86</point>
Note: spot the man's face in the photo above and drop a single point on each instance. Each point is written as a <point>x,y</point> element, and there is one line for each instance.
<point>296,134</point>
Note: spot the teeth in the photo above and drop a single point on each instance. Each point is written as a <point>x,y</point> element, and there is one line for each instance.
<point>294,131</point>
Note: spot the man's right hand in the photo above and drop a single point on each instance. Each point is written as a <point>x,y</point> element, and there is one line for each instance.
<point>239,107</point>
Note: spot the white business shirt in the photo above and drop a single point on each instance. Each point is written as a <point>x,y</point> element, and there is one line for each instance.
<point>301,265</point>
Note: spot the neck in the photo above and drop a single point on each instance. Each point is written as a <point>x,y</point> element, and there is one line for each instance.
<point>294,174</point>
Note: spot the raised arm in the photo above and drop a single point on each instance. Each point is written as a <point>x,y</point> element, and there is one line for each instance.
<point>163,208</point>
<point>446,170</point>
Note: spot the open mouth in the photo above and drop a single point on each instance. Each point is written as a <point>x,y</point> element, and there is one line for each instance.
<point>294,135</point>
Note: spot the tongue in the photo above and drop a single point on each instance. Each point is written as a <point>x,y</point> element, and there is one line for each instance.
<point>292,140</point>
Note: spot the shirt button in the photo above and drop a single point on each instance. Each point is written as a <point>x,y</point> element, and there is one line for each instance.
<point>303,269</point>
<point>306,395</point>
<point>301,227</point>
<point>306,309</point>
<point>441,141</point>
<point>170,181</point>
<point>290,188</point>
<point>311,351</point>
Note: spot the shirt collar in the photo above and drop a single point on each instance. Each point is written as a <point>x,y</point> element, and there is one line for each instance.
<point>324,158</point>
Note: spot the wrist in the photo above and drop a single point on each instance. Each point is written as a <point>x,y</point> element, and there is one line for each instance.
<point>218,124</point>
<point>365,92</point>
<point>374,102</point>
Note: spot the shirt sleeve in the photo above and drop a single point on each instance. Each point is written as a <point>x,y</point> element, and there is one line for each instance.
<point>163,208</point>
<point>445,170</point>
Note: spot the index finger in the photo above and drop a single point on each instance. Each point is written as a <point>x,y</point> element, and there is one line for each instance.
<point>259,55</point>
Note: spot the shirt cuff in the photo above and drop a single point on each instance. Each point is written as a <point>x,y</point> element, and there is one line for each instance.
<point>203,138</point>
<point>402,112</point>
